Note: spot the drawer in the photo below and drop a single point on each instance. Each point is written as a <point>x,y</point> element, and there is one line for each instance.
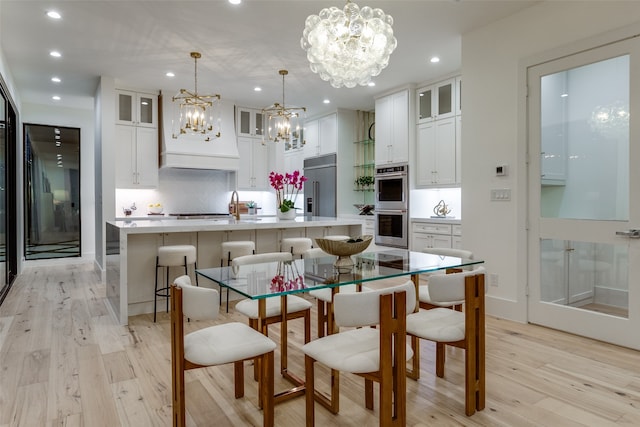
<point>457,230</point>
<point>431,228</point>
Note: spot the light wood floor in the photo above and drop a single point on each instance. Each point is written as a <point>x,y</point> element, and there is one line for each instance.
<point>64,362</point>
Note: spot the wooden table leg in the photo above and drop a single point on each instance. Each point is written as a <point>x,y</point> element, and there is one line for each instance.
<point>414,372</point>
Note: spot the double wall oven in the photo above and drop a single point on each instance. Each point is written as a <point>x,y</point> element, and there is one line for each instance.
<point>392,206</point>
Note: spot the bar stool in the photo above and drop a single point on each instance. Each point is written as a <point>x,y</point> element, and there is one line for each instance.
<point>296,245</point>
<point>172,256</point>
<point>232,250</point>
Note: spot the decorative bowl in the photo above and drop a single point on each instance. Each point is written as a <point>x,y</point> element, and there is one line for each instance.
<point>155,209</point>
<point>343,250</point>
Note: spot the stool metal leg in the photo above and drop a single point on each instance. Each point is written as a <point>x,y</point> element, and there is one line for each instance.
<point>155,293</point>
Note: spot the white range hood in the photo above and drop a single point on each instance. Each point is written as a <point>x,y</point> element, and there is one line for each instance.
<point>192,152</point>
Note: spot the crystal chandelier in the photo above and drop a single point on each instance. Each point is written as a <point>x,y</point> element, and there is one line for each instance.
<point>347,47</point>
<point>283,124</point>
<point>195,114</point>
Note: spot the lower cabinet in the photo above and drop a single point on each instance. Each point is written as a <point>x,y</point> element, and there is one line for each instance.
<point>426,235</point>
<point>142,250</point>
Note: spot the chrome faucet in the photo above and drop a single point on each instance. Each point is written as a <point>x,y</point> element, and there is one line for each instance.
<point>236,205</point>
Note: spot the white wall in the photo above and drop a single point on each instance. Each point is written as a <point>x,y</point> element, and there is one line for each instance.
<point>83,119</point>
<point>494,60</point>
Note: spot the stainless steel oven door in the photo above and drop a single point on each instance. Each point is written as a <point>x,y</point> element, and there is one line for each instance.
<point>392,228</point>
<point>392,188</point>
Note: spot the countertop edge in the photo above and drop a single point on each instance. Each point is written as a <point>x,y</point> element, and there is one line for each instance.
<point>174,225</point>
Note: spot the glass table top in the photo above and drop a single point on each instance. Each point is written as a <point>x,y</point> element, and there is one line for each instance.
<point>270,279</point>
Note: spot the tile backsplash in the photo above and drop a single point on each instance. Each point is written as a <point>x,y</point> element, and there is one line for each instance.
<point>191,190</point>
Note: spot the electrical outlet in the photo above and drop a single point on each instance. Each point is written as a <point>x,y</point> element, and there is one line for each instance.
<point>493,279</point>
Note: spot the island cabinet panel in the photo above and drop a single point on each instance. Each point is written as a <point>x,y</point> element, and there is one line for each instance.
<point>133,251</point>
<point>267,241</point>
<point>209,251</point>
<point>142,250</point>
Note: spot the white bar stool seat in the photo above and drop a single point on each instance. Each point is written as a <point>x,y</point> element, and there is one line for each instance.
<point>296,245</point>
<point>172,256</point>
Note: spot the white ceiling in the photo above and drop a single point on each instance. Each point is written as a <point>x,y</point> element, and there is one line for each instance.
<point>243,46</point>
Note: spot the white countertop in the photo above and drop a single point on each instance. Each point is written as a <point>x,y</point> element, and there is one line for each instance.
<point>141,226</point>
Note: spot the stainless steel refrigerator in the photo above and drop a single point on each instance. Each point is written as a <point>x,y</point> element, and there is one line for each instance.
<point>320,188</point>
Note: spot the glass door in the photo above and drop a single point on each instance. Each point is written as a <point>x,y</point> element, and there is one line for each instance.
<point>584,194</point>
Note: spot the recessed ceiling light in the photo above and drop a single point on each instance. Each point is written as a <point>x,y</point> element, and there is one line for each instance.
<point>434,60</point>
<point>371,84</point>
<point>56,79</point>
<point>257,89</point>
<point>170,74</point>
<point>564,95</point>
<point>55,54</point>
<point>326,101</point>
<point>53,14</point>
<point>55,98</point>
<point>235,1</point>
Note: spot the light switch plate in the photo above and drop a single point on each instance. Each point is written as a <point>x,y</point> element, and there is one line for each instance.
<point>500,194</point>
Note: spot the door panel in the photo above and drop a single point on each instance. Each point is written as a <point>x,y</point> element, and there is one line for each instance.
<point>582,192</point>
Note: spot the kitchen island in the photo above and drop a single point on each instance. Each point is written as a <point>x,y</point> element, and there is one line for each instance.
<point>132,247</point>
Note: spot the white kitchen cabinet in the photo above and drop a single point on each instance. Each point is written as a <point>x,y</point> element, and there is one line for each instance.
<point>250,122</point>
<point>136,109</point>
<point>256,163</point>
<point>456,236</point>
<point>321,136</point>
<point>458,96</point>
<point>311,138</point>
<point>436,153</point>
<point>136,157</point>
<point>437,101</point>
<point>294,160</point>
<point>392,128</point>
<point>426,235</point>
<point>141,256</point>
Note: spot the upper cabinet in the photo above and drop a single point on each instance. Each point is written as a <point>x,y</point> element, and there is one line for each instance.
<point>438,130</point>
<point>136,141</point>
<point>250,122</point>
<point>437,101</point>
<point>321,136</point>
<point>257,162</point>
<point>392,128</point>
<point>436,153</point>
<point>136,109</point>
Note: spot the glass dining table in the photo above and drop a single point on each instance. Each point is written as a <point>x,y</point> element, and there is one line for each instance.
<point>279,279</point>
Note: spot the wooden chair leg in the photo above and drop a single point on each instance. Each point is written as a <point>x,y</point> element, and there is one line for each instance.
<point>368,394</point>
<point>267,388</point>
<point>307,326</point>
<point>414,372</point>
<point>309,391</point>
<point>322,318</point>
<point>238,378</point>
<point>440,359</point>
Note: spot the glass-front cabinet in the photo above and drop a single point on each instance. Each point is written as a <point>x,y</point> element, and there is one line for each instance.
<point>437,101</point>
<point>250,122</point>
<point>137,109</point>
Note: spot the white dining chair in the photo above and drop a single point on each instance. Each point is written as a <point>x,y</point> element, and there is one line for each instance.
<point>296,307</point>
<point>232,342</point>
<point>323,296</point>
<point>424,297</point>
<point>465,329</point>
<point>376,354</point>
